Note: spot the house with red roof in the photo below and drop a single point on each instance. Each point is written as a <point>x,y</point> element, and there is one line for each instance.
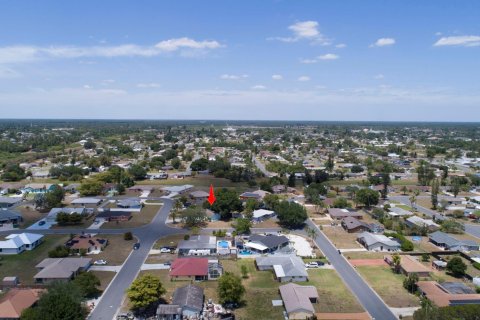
<point>195,269</point>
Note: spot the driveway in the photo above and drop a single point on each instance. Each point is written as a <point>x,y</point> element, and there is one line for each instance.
<point>367,297</point>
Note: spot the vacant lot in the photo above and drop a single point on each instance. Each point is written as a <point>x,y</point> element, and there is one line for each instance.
<point>105,278</point>
<point>138,218</point>
<point>389,286</point>
<point>29,215</point>
<point>116,251</point>
<point>23,264</point>
<point>331,290</point>
<point>340,238</point>
<point>423,245</point>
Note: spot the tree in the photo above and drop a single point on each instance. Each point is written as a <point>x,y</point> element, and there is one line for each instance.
<point>226,203</point>
<point>177,206</point>
<point>138,172</point>
<point>404,190</point>
<point>13,172</point>
<point>456,267</point>
<point>291,180</point>
<point>193,216</point>
<point>59,252</point>
<point>176,163</point>
<point>199,164</point>
<point>242,225</point>
<point>62,301</point>
<point>452,226</point>
<point>311,233</point>
<point>431,312</point>
<point>89,144</point>
<point>341,203</point>
<point>230,288</point>
<point>90,187</point>
<point>244,271</point>
<point>88,283</point>
<point>320,176</point>
<point>456,187</point>
<point>434,193</point>
<point>425,257</point>
<point>271,201</point>
<point>396,260</point>
<point>145,291</point>
<point>368,197</point>
<point>250,206</point>
<point>410,283</point>
<point>128,236</point>
<point>291,215</point>
<point>330,163</point>
<point>425,173</point>
<point>65,219</point>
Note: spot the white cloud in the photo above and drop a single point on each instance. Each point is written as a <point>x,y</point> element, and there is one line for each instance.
<point>277,77</point>
<point>16,54</point>
<point>341,45</point>
<point>304,30</point>
<point>383,42</point>
<point>8,73</point>
<point>233,76</point>
<point>259,87</point>
<point>149,85</point>
<point>379,76</point>
<point>303,78</point>
<point>328,56</point>
<point>465,41</point>
<point>87,86</point>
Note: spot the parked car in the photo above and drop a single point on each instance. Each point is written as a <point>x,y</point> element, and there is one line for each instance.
<point>168,263</point>
<point>41,223</point>
<point>165,250</point>
<point>312,264</point>
<point>100,262</point>
<point>136,246</point>
<point>320,263</point>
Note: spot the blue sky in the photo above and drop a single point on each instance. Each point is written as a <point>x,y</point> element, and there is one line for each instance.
<point>278,60</point>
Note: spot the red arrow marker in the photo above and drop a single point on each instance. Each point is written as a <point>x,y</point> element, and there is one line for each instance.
<point>211,197</point>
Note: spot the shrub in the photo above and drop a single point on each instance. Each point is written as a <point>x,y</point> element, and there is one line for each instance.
<point>127,236</point>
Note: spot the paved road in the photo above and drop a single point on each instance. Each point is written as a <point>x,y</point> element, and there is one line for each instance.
<point>405,200</point>
<point>262,168</point>
<point>364,293</point>
<point>112,298</point>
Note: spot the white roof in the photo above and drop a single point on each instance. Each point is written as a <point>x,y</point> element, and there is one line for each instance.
<point>26,238</point>
<point>256,246</point>
<point>86,201</point>
<point>279,272</point>
<point>14,243</point>
<point>178,188</point>
<point>261,213</point>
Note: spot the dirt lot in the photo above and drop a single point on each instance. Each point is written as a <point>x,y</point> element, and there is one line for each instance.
<point>105,278</point>
<point>340,238</point>
<point>29,215</point>
<point>117,250</point>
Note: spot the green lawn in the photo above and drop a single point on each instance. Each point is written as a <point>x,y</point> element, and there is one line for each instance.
<point>389,286</point>
<point>23,265</point>
<point>138,218</point>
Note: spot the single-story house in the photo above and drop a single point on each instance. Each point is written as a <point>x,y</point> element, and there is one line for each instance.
<point>86,242</point>
<point>443,240</point>
<point>262,215</point>
<point>195,269</point>
<point>399,212</point>
<point>16,300</point>
<point>199,196</point>
<point>129,204</point>
<point>114,216</point>
<point>8,202</point>
<point>38,187</point>
<point>417,222</point>
<point>9,216</point>
<point>266,243</point>
<point>339,214</point>
<point>377,242</point>
<point>52,215</point>
<point>409,265</point>
<point>190,299</point>
<point>141,188</point>
<point>178,189</point>
<point>17,243</point>
<point>447,294</point>
<point>351,224</point>
<point>452,201</point>
<point>298,300</point>
<point>257,195</point>
<point>60,269</point>
<point>87,201</point>
<point>288,268</point>
<point>200,245</point>
<point>169,312</point>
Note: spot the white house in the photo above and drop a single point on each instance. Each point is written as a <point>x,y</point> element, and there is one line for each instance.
<point>262,214</point>
<point>17,243</point>
<point>378,242</point>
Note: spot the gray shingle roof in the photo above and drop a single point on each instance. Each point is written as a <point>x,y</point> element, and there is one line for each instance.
<point>189,296</point>
<point>270,241</point>
<point>199,242</point>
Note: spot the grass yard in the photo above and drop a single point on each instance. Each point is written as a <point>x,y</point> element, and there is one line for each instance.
<point>117,250</point>
<point>365,255</point>
<point>331,290</point>
<point>23,265</point>
<point>105,278</point>
<point>340,238</point>
<point>423,245</point>
<point>29,215</point>
<point>138,218</point>
<point>389,286</point>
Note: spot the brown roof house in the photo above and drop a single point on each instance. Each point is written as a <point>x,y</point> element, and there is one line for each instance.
<point>15,301</point>
<point>409,265</point>
<point>298,300</point>
<point>87,243</point>
<point>339,214</point>
<point>448,293</point>
<point>60,269</point>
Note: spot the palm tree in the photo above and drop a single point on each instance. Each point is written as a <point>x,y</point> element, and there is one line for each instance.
<point>311,233</point>
<point>396,262</point>
<point>413,200</point>
<point>177,206</point>
<point>404,190</point>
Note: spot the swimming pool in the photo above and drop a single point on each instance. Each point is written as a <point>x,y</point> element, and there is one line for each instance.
<point>245,252</point>
<point>223,244</point>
